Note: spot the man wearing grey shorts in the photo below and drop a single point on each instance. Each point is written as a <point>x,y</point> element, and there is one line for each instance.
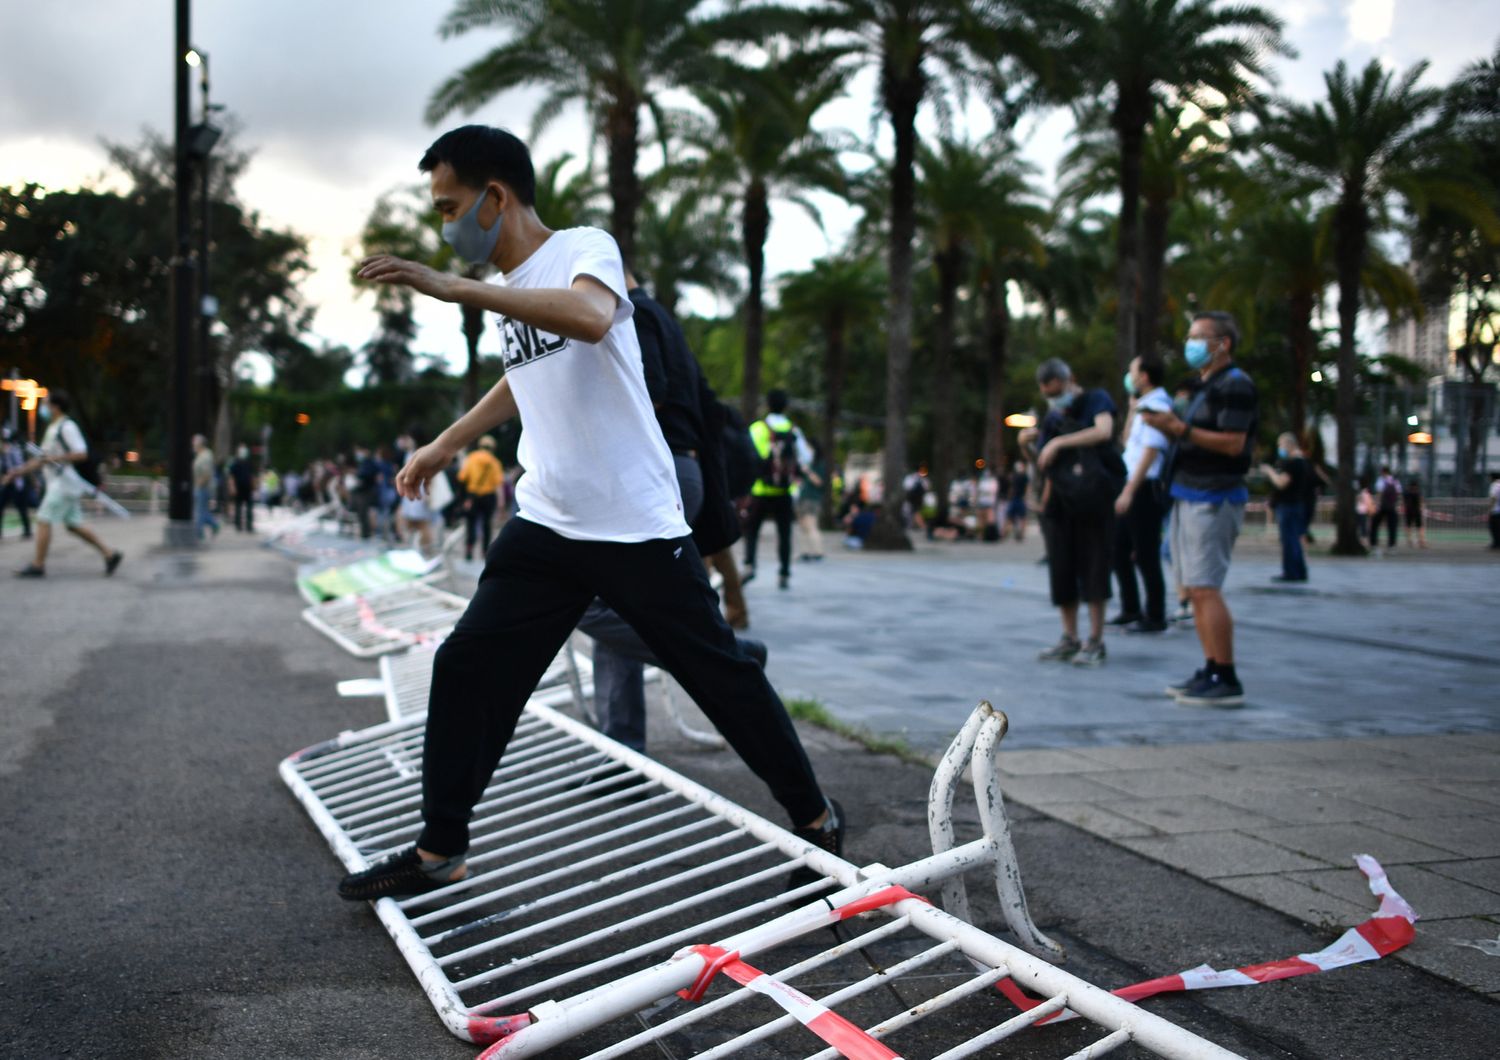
<point>1211,455</point>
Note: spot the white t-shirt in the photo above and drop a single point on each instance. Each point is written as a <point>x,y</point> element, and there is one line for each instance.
<point>597,466</point>
<point>1495,497</point>
<point>1143,436</point>
<point>63,438</point>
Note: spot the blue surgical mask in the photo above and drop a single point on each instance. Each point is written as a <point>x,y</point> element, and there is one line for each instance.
<point>1129,385</point>
<point>1281,452</point>
<point>1196,352</point>
<point>44,413</point>
<point>469,239</point>
<point>1061,402</point>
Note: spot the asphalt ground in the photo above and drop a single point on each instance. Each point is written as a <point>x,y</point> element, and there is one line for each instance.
<point>164,896</point>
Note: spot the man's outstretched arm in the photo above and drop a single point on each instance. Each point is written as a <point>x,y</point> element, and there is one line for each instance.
<point>495,408</point>
<point>584,311</point>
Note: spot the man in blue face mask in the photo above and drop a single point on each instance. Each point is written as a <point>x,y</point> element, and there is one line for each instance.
<point>1211,454</point>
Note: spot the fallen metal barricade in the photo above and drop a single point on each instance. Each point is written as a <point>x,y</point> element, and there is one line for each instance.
<point>602,883</point>
<point>388,619</point>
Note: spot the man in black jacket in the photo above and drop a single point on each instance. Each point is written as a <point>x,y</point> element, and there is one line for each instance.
<point>689,419</point>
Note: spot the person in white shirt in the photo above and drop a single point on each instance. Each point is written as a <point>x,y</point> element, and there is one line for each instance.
<point>599,514</point>
<point>1495,510</point>
<point>63,449</point>
<point>1140,506</point>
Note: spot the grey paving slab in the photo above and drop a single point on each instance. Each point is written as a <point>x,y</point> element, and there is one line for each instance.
<point>1185,781</point>
<point>1017,763</point>
<point>1211,855</point>
<point>1293,805</point>
<point>1480,872</point>
<point>1434,897</point>
<point>1471,837</point>
<point>1336,843</point>
<point>1198,814</point>
<point>1481,791</point>
<point>1040,789</point>
<point>1439,948</point>
<point>1098,820</point>
<point>1413,800</point>
<point>1296,899</point>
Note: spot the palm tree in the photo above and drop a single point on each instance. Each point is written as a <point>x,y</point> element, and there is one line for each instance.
<point>757,145</point>
<point>686,241</point>
<point>1139,49</point>
<point>832,295</point>
<point>923,50</point>
<point>567,202</point>
<point>1372,141</point>
<point>966,205</point>
<point>1181,152</point>
<point>613,56</point>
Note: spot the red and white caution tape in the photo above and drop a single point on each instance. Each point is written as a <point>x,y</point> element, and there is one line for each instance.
<point>1386,932</point>
<point>372,625</point>
<point>828,1025</point>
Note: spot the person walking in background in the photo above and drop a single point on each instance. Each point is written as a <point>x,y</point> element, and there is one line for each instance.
<point>1211,454</point>
<point>1289,482</point>
<point>1388,508</point>
<point>1139,508</point>
<point>783,452</point>
<point>1015,505</point>
<point>1082,483</point>
<point>1364,509</point>
<point>1415,516</point>
<point>481,477</point>
<point>242,485</point>
<point>63,448</point>
<point>16,492</point>
<point>811,489</point>
<point>204,483</point>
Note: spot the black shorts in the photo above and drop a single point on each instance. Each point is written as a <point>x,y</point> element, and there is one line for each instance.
<point>1078,557</point>
<point>1414,517</point>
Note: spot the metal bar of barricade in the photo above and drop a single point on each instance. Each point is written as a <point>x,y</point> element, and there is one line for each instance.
<point>633,873</point>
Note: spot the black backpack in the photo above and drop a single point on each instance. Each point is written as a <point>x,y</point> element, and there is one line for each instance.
<point>1086,479</point>
<point>779,468</point>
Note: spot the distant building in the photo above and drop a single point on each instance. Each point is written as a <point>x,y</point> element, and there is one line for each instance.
<point>1424,341</point>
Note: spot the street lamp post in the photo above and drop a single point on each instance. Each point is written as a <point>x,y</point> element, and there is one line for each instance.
<point>179,460</point>
<point>201,140</point>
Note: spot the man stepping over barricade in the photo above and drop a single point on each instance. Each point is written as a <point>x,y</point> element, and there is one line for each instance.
<point>600,513</point>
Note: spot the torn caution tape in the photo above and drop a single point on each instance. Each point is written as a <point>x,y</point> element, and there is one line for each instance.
<point>1386,932</point>
<point>828,1025</point>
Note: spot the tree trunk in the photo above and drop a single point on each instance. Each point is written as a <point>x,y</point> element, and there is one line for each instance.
<point>1303,342</point>
<point>1349,238</point>
<point>1153,269</point>
<point>1129,128</point>
<point>623,124</point>
<point>997,339</point>
<point>755,223</point>
<point>948,261</point>
<point>835,333</point>
<point>902,94</point>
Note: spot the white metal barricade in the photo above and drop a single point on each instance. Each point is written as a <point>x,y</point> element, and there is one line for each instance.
<point>388,619</point>
<point>602,883</point>
<point>406,680</point>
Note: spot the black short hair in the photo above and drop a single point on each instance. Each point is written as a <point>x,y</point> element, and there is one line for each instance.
<point>1153,368</point>
<point>60,400</point>
<point>776,400</point>
<point>479,154</point>
<point>1224,327</point>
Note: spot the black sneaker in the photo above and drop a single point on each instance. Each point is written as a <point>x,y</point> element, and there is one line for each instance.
<point>784,581</point>
<point>747,575</point>
<point>398,876</point>
<point>829,836</point>
<point>1177,688</point>
<point>1123,619</point>
<point>31,570</point>
<point>1213,691</point>
<point>1145,625</point>
<point>113,562</point>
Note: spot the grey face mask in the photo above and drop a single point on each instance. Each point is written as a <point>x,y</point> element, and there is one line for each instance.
<point>469,239</point>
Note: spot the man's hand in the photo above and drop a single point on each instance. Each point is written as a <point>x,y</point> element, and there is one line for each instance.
<point>1122,502</point>
<point>424,463</point>
<point>1048,454</point>
<point>387,268</point>
<point>1166,422</point>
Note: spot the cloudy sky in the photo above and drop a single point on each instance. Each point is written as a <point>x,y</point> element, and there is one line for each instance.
<point>330,94</point>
